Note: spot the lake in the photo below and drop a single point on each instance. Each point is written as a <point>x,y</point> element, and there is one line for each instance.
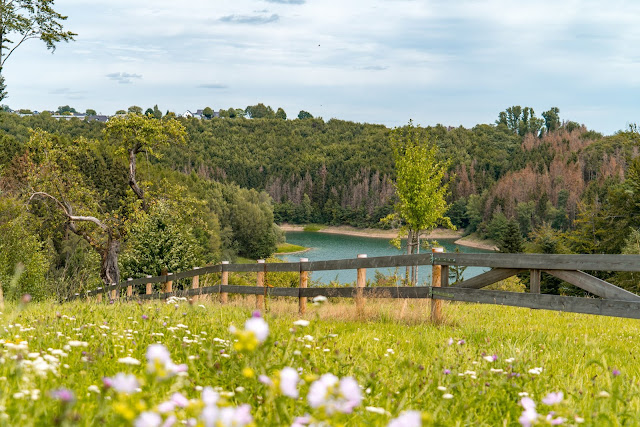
<point>325,246</point>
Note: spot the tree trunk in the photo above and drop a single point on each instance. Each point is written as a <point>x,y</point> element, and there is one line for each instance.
<point>133,183</point>
<point>110,272</point>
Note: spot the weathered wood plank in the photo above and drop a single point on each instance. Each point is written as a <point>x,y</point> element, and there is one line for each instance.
<point>600,307</point>
<point>543,261</point>
<point>534,281</point>
<point>594,285</point>
<point>488,278</point>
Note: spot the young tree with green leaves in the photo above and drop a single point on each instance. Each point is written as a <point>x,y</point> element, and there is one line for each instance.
<point>420,186</point>
<point>22,20</point>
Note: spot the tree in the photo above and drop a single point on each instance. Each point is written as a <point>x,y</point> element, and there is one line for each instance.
<point>149,112</point>
<point>304,115</point>
<point>3,88</point>
<point>121,112</point>
<point>420,188</point>
<point>134,109</point>
<point>280,114</point>
<point>207,112</point>
<point>65,109</point>
<point>552,119</point>
<point>22,20</point>
<point>56,177</point>
<point>259,111</point>
<point>134,134</point>
<point>157,114</point>
<point>90,112</point>
<point>511,241</point>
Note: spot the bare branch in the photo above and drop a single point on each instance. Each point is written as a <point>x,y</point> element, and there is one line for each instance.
<point>68,214</point>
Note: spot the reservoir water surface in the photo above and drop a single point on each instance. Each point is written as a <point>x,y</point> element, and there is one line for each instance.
<point>325,246</point>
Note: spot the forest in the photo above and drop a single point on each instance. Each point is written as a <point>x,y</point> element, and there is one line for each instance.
<point>180,192</point>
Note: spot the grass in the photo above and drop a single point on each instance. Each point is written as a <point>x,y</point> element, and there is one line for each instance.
<point>313,227</point>
<point>398,358</point>
<point>287,248</point>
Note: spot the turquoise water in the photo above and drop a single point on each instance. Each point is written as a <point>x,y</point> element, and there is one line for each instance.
<point>326,246</point>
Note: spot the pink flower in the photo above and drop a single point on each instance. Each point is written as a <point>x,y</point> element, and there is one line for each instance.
<point>343,398</point>
<point>553,398</point>
<point>289,382</point>
<point>529,416</point>
<point>407,419</point>
<point>123,383</point>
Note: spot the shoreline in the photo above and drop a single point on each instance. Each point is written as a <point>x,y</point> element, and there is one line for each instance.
<point>438,233</point>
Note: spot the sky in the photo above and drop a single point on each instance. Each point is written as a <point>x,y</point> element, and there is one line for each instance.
<point>375,61</point>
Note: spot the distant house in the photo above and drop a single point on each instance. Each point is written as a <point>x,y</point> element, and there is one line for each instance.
<point>199,114</point>
<point>187,114</point>
<point>97,118</point>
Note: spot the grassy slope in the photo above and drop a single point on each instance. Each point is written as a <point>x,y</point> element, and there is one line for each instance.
<point>395,354</point>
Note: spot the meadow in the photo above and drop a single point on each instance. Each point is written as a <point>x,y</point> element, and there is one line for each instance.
<point>201,363</point>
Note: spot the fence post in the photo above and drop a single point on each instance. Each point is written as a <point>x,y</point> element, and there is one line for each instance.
<point>534,282</point>
<point>129,288</point>
<point>114,292</point>
<point>149,287</point>
<point>436,282</point>
<point>304,280</point>
<point>195,284</point>
<point>99,296</point>
<point>260,283</point>
<point>361,281</point>
<point>224,281</point>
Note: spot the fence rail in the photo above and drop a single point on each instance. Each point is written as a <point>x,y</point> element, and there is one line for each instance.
<point>613,300</point>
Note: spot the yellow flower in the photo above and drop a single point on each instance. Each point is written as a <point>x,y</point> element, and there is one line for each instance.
<point>248,372</point>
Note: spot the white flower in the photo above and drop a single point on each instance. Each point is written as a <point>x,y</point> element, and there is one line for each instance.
<point>78,344</point>
<point>94,388</point>
<point>319,299</point>
<point>129,360</point>
<point>441,388</point>
<point>509,360</point>
<point>209,396</point>
<point>407,419</point>
<point>289,379</point>
<point>258,326</point>
<point>447,396</point>
<point>124,383</point>
<point>301,322</point>
<point>535,371</point>
<point>343,398</point>
<point>603,394</point>
<point>489,358</point>
<point>148,419</point>
<point>159,362</point>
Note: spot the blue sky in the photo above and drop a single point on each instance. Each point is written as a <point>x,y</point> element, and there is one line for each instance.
<point>376,61</point>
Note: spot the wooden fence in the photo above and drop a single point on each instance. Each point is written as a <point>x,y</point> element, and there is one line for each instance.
<point>609,300</point>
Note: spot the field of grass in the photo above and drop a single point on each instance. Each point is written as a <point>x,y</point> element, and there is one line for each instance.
<point>287,248</point>
<point>313,227</point>
<point>89,364</point>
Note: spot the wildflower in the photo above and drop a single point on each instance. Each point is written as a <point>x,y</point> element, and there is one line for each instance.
<point>491,358</point>
<point>64,395</point>
<point>450,342</point>
<point>301,322</point>
<point>461,342</point>
<point>289,379</point>
<point>535,371</point>
<point>603,394</point>
<point>148,419</point>
<point>446,371</point>
<point>553,398</point>
<point>407,419</point>
<point>94,388</point>
<point>129,360</point>
<point>301,421</point>
<point>265,380</point>
<point>334,395</point>
<point>256,331</point>
<point>529,415</point>
<point>122,383</point>
<point>555,421</point>
<point>319,299</point>
<point>145,317</point>
<point>615,372</point>
<point>447,396</point>
<point>159,362</point>
<point>442,388</point>
<point>179,400</point>
<point>78,343</point>
<point>248,372</point>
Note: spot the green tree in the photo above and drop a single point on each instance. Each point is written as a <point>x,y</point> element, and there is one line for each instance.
<point>304,115</point>
<point>552,119</point>
<point>65,109</point>
<point>3,88</point>
<point>280,114</point>
<point>420,186</point>
<point>22,20</point>
<point>90,112</point>
<point>157,114</point>
<point>121,112</point>
<point>134,109</point>
<point>207,112</point>
<point>149,112</point>
<point>259,111</point>
<point>511,240</point>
